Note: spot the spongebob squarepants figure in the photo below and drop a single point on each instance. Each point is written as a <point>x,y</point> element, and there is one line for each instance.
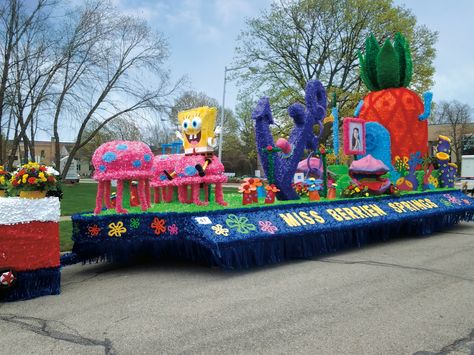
<point>198,133</point>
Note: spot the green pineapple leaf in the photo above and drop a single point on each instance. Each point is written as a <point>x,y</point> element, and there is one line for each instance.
<point>408,65</point>
<point>372,50</point>
<point>399,45</point>
<point>363,73</point>
<point>388,67</point>
<point>403,49</point>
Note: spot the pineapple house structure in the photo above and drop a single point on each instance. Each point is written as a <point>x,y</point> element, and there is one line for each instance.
<point>387,72</point>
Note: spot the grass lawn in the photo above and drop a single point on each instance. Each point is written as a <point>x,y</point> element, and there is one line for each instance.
<point>78,198</point>
<point>65,235</point>
<point>81,198</point>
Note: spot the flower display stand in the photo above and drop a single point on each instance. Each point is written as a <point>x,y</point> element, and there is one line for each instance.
<point>29,248</point>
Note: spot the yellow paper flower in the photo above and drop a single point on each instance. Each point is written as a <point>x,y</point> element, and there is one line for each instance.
<point>116,230</point>
<point>220,230</point>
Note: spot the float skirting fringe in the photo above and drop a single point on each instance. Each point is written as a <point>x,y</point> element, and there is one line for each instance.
<point>244,254</point>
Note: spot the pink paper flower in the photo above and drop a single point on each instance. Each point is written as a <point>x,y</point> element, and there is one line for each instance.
<point>267,226</point>
<point>173,229</point>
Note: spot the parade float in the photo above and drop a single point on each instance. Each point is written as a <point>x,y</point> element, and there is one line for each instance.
<point>389,187</point>
<point>313,200</point>
<point>29,234</point>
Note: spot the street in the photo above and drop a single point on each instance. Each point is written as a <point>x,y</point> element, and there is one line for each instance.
<point>411,295</point>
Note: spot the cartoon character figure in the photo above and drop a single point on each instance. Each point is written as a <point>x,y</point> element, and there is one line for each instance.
<point>198,133</point>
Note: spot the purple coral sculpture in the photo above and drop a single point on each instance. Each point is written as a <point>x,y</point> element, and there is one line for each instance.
<point>278,167</point>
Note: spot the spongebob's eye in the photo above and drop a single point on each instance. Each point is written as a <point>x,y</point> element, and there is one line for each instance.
<point>186,123</point>
<point>196,122</point>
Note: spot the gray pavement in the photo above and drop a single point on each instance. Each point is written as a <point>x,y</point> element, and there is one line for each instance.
<point>412,295</point>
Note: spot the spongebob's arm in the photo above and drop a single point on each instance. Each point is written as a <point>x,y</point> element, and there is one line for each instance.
<point>213,141</point>
<point>180,136</point>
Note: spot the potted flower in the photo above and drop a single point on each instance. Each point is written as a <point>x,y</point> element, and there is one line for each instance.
<point>4,180</point>
<point>313,185</point>
<point>247,191</point>
<point>33,180</point>
<point>271,193</point>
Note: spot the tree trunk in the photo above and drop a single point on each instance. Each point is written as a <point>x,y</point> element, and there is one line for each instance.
<point>6,63</point>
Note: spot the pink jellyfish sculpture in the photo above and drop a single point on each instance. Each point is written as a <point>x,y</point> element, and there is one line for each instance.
<point>191,173</point>
<point>121,161</point>
<point>162,186</point>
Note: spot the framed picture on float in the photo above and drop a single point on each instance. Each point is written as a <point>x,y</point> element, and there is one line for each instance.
<point>354,136</point>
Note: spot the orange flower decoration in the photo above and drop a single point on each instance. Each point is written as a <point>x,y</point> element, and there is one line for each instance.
<point>159,225</point>
<point>272,188</point>
<point>253,181</point>
<point>247,188</point>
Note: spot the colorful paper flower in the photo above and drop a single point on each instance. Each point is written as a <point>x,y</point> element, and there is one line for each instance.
<point>173,229</point>
<point>253,182</point>
<point>240,224</point>
<point>134,223</point>
<point>159,225</point>
<point>116,230</point>
<point>267,226</point>
<point>452,199</point>
<point>247,188</point>
<point>220,230</point>
<point>94,230</point>
<point>272,188</point>
<point>446,202</point>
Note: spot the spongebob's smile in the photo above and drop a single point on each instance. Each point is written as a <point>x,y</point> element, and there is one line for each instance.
<point>193,139</point>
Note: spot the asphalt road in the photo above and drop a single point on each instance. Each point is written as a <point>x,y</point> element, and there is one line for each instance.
<point>403,297</point>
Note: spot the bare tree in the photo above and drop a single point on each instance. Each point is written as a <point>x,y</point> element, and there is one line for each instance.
<point>91,66</point>
<point>457,116</point>
<point>16,20</point>
<point>122,74</point>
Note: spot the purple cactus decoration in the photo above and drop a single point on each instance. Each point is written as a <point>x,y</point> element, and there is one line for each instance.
<point>444,145</point>
<point>284,167</point>
<point>447,170</point>
<point>415,160</point>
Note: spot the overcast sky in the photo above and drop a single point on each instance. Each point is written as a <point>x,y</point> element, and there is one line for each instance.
<point>202,36</point>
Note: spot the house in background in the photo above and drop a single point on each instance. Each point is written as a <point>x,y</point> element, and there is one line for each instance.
<point>467,133</point>
<point>45,152</point>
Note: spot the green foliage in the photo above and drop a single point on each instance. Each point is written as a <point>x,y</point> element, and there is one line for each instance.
<point>406,68</point>
<point>372,50</point>
<point>292,42</point>
<point>388,67</point>
<point>343,183</point>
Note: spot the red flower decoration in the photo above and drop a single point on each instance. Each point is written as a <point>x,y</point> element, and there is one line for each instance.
<point>31,180</point>
<point>94,230</point>
<point>269,148</point>
<point>159,225</point>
